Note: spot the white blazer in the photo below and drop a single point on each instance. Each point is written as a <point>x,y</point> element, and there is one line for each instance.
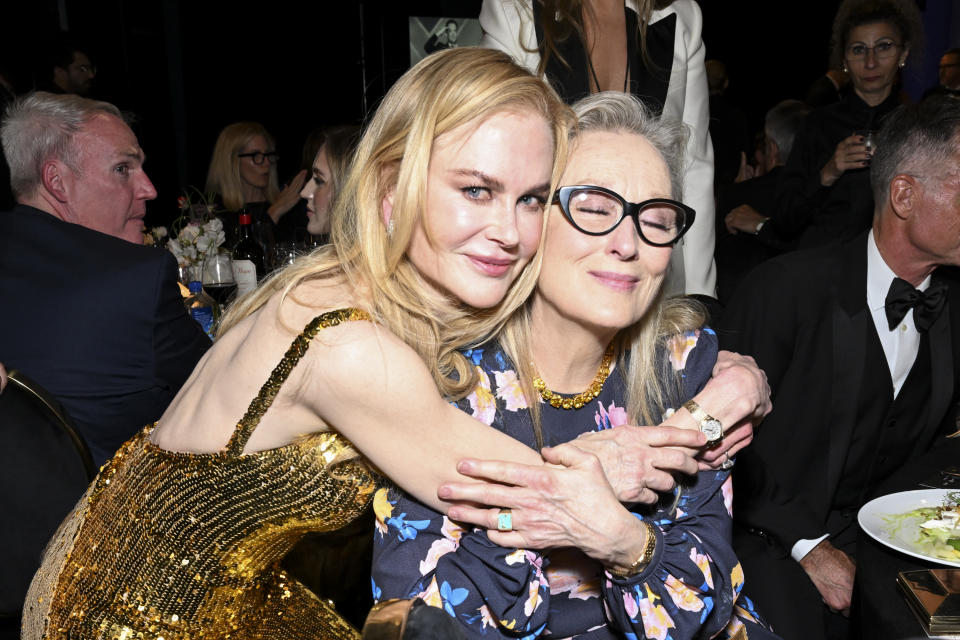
<point>508,26</point>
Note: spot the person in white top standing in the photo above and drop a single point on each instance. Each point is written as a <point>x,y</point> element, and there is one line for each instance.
<point>652,49</point>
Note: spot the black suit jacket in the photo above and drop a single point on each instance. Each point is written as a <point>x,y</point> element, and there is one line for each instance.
<point>804,318</point>
<point>96,320</point>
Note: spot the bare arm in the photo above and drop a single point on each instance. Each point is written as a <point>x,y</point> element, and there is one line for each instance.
<point>375,390</point>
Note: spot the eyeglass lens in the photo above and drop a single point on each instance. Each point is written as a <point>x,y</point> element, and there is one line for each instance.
<point>881,50</point>
<point>259,157</point>
<point>599,212</point>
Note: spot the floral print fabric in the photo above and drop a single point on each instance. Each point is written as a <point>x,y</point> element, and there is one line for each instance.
<point>690,589</point>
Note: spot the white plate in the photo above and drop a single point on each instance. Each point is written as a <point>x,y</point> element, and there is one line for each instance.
<point>873,515</point>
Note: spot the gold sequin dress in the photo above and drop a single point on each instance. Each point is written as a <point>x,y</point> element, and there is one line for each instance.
<point>179,546</point>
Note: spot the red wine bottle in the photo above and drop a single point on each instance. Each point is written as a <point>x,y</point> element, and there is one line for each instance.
<point>248,262</point>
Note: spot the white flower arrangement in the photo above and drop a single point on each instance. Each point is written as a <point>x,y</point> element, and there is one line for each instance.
<point>197,239</point>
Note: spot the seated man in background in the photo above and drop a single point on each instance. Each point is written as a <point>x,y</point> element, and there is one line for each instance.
<point>89,313</point>
<point>861,345</point>
<point>69,68</point>
<point>744,237</point>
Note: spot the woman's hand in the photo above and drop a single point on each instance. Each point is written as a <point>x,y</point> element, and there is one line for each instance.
<point>287,198</point>
<point>737,395</point>
<point>851,153</point>
<point>565,503</point>
<point>639,461</point>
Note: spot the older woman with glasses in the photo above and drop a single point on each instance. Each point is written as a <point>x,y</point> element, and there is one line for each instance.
<point>243,173</point>
<point>595,347</point>
<point>825,186</point>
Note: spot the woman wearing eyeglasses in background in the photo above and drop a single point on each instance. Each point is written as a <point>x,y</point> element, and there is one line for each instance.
<point>243,172</point>
<point>595,347</point>
<point>825,187</point>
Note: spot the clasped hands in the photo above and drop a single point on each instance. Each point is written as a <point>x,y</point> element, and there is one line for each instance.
<point>576,498</point>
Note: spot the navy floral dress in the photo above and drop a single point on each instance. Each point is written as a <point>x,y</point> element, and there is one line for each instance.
<point>691,588</point>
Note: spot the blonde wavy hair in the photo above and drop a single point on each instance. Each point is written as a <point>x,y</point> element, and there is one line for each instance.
<point>636,345</point>
<point>444,91</point>
<point>223,176</point>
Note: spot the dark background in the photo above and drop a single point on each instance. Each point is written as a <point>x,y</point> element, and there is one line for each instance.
<point>188,68</point>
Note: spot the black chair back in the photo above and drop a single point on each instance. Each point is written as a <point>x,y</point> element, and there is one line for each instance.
<point>45,466</point>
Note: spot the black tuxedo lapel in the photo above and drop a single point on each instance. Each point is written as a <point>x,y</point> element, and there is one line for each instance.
<point>651,85</point>
<point>851,322</point>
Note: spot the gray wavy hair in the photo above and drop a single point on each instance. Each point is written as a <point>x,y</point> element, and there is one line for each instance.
<point>41,126</point>
<point>617,111</point>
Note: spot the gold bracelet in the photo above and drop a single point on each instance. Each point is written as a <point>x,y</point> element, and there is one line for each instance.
<point>644,558</point>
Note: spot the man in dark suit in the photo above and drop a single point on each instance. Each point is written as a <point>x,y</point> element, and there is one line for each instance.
<point>88,312</point>
<point>746,235</point>
<point>861,345</point>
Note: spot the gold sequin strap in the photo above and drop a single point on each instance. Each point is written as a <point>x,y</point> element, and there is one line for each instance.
<point>268,392</point>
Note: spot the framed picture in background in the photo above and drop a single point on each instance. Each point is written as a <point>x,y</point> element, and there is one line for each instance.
<point>397,35</point>
<point>429,34</point>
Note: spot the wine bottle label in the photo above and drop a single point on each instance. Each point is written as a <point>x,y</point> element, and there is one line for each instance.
<point>245,273</point>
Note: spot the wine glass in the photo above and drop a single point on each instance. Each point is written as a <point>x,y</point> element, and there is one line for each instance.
<point>218,279</point>
<point>869,141</point>
<point>285,252</point>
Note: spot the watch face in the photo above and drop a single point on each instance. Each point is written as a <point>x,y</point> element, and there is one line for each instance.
<point>712,429</point>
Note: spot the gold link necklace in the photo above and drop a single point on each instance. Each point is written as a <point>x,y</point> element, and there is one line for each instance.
<point>582,398</point>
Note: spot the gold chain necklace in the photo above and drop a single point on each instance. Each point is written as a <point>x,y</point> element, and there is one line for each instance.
<point>582,398</point>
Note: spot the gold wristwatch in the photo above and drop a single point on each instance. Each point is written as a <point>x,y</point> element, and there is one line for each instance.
<point>710,426</point>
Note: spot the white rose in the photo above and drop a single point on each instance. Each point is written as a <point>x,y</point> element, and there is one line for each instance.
<point>189,234</point>
<point>204,244</point>
<point>213,226</point>
<point>174,247</point>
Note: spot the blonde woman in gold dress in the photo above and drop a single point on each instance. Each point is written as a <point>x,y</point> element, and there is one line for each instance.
<point>179,535</point>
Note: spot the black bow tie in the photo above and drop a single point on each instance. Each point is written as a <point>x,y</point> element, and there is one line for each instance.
<point>926,305</point>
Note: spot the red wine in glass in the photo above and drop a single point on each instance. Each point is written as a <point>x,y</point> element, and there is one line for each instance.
<point>222,293</point>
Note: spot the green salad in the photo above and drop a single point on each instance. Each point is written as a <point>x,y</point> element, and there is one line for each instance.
<point>935,531</point>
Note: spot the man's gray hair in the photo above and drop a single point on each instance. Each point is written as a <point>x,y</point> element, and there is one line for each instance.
<point>40,126</point>
<point>614,111</point>
<point>782,123</point>
<point>919,140</point>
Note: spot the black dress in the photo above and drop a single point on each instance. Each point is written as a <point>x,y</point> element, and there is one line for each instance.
<point>809,213</point>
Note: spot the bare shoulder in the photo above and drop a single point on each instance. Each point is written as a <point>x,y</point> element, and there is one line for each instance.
<point>356,360</point>
<point>364,359</point>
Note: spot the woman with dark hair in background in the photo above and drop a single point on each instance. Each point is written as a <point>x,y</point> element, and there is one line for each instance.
<point>824,188</point>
